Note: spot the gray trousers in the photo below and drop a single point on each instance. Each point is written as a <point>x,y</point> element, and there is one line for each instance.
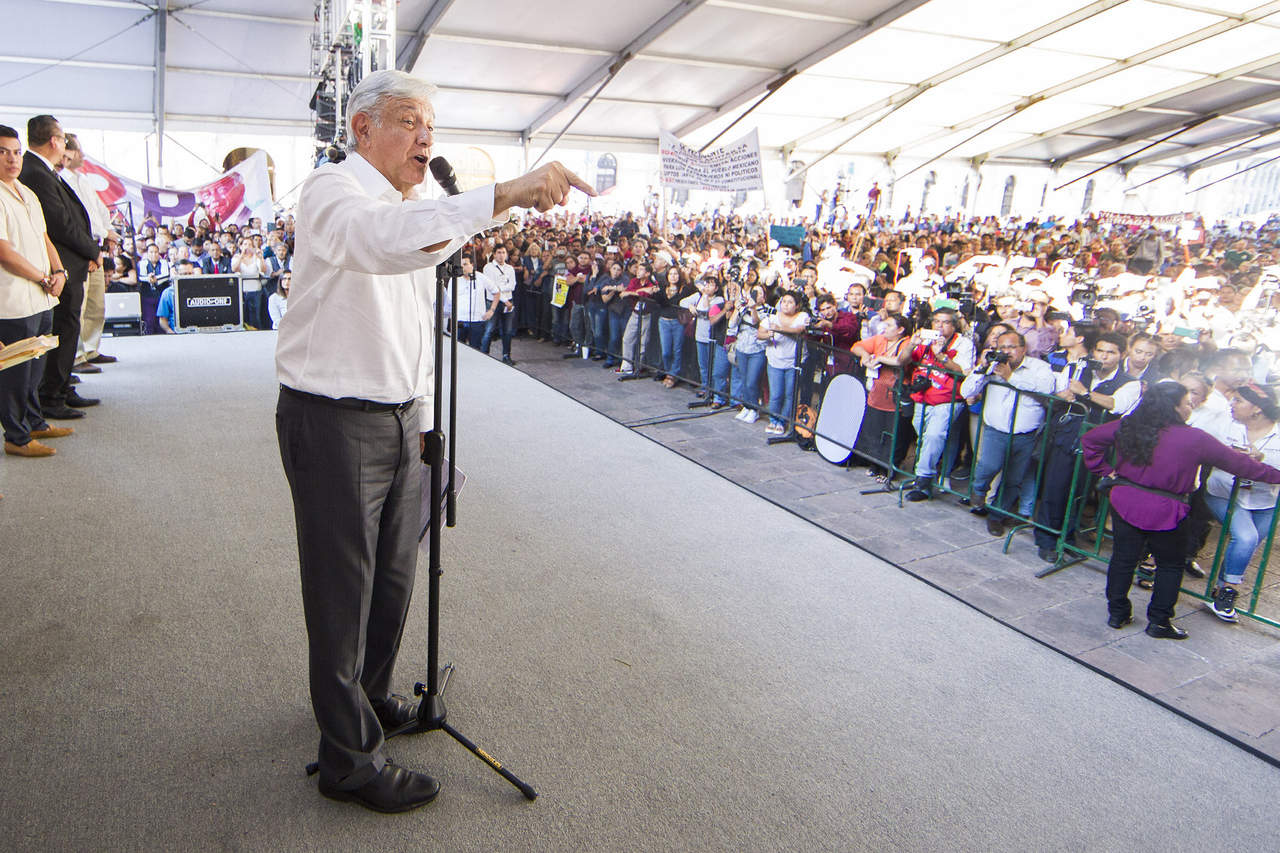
<point>356,483</point>
<point>635,341</point>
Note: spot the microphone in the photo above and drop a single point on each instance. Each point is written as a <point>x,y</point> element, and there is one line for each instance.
<point>443,173</point>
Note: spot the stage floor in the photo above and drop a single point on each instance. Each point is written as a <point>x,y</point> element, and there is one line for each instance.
<point>672,661</point>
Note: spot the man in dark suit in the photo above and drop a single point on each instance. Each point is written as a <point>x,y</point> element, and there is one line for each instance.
<point>68,226</point>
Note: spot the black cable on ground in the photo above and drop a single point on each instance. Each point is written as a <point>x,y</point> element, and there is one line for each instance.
<point>1274,761</point>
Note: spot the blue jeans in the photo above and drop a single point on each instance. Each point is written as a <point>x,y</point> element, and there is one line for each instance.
<point>782,390</point>
<point>933,426</point>
<point>991,460</point>
<point>746,378</point>
<point>505,325</point>
<point>599,329</point>
<point>471,333</point>
<point>617,324</point>
<point>671,333</point>
<point>1248,528</point>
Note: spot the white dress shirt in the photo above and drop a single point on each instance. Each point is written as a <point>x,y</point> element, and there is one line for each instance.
<point>1126,397</point>
<point>362,300</point>
<point>475,295</point>
<point>503,277</point>
<point>998,406</point>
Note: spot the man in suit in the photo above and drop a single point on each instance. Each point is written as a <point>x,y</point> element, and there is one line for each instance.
<point>69,229</point>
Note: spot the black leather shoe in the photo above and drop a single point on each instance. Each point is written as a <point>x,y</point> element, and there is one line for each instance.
<point>506,359</point>
<point>1167,631</point>
<point>395,789</point>
<point>395,711</point>
<point>995,525</point>
<point>1119,622</point>
<point>920,491</point>
<point>76,401</point>
<point>61,412</point>
<point>103,359</point>
<point>87,367</point>
<point>1047,554</point>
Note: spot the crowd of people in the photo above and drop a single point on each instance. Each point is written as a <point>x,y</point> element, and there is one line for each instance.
<point>987,347</point>
<point>259,254</point>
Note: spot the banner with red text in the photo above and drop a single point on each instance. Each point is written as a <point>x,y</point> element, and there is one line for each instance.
<point>238,195</point>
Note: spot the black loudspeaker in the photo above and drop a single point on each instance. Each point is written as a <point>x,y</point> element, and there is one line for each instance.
<point>210,302</point>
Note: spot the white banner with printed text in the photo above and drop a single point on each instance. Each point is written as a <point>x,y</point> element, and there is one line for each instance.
<point>735,166</point>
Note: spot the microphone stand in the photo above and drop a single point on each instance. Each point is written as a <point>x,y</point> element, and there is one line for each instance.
<point>431,710</point>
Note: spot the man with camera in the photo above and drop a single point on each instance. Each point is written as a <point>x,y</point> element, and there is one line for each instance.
<point>1097,390</point>
<point>940,354</point>
<point>1010,421</point>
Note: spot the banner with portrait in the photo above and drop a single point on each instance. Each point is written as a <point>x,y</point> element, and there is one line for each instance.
<point>241,193</point>
<point>732,167</point>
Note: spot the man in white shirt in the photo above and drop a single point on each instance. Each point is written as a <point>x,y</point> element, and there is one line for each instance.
<point>93,312</point>
<point>502,312</point>
<point>31,277</point>
<point>1010,423</point>
<point>472,309</point>
<point>354,356</point>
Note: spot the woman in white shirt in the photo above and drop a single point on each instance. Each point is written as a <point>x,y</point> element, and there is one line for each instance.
<point>278,302</point>
<point>707,307</point>
<point>250,264</point>
<point>781,331</point>
<point>1252,429</point>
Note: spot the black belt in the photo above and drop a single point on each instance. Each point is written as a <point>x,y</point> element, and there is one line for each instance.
<point>348,402</point>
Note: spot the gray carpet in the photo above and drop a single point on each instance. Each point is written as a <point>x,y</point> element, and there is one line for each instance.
<point>672,662</point>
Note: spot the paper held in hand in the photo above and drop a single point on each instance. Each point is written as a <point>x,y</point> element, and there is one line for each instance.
<point>26,349</point>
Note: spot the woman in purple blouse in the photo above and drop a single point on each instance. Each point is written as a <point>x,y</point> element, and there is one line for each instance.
<point>1156,459</point>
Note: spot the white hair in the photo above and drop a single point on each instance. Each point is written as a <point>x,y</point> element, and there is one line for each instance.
<point>373,92</point>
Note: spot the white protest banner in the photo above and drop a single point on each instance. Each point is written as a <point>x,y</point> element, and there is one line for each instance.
<point>735,166</point>
<point>239,194</point>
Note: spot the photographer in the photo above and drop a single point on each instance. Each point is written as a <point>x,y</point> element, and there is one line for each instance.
<point>748,356</point>
<point>939,353</point>
<point>781,331</point>
<point>1096,391</point>
<point>1032,324</point>
<point>839,330</point>
<point>1011,421</point>
<point>882,356</point>
<point>708,310</point>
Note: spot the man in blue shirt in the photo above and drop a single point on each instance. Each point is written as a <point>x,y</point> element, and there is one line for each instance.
<point>166,312</point>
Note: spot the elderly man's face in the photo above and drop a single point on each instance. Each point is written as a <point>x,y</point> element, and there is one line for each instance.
<point>399,145</point>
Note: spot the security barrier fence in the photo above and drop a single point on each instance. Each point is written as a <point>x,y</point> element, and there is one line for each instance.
<point>1070,520</point>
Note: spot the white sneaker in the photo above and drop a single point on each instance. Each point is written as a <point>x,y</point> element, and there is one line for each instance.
<point>750,416</point>
<point>742,413</point>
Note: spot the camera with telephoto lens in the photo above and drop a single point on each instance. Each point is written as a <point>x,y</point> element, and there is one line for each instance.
<point>995,357</point>
<point>736,270</point>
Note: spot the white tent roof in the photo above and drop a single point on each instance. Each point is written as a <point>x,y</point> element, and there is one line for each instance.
<point>1044,82</point>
